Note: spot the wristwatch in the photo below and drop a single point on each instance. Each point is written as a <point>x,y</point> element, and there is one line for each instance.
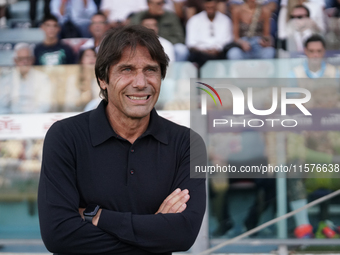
<point>91,211</point>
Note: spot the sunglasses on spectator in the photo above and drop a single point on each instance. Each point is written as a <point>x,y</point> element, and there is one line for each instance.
<point>298,17</point>
<point>98,23</point>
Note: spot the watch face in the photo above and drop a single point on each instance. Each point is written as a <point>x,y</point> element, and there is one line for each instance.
<point>91,210</point>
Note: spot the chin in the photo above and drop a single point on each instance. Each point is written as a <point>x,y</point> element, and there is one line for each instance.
<point>138,114</point>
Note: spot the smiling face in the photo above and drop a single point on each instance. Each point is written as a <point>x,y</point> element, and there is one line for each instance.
<point>134,84</point>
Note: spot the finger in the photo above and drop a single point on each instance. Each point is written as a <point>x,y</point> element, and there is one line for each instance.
<point>170,203</point>
<point>174,193</point>
<point>170,200</point>
<point>81,210</point>
<point>182,208</point>
<point>177,206</point>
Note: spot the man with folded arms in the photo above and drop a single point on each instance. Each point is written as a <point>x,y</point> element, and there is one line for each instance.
<point>116,180</point>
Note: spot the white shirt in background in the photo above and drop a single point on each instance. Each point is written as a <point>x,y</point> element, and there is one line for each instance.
<point>204,34</point>
<point>121,9</point>
<point>315,8</point>
<point>168,48</point>
<point>169,4</point>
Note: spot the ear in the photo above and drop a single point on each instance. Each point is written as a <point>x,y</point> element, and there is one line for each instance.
<point>103,84</point>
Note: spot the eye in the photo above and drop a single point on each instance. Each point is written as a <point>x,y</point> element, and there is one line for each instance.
<point>126,69</point>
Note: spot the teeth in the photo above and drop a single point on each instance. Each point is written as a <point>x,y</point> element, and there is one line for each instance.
<point>138,98</point>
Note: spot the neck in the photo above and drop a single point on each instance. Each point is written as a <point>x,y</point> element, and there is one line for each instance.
<point>211,17</point>
<point>128,128</point>
<point>314,67</point>
<point>23,74</point>
<point>50,41</point>
<point>251,5</point>
<point>97,41</point>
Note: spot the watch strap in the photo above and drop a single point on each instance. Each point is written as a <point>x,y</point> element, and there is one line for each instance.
<point>88,218</point>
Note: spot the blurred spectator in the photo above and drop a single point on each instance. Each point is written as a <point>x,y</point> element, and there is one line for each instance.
<point>33,11</point>
<point>3,6</point>
<point>117,11</point>
<point>315,10</point>
<point>98,3</point>
<point>333,26</point>
<point>300,26</point>
<point>334,10</point>
<point>169,26</point>
<point>270,4</point>
<point>150,22</point>
<point>51,51</point>
<point>82,87</point>
<point>196,6</point>
<point>251,24</point>
<point>176,6</point>
<point>315,65</point>
<point>24,89</point>
<point>74,16</point>
<point>215,32</point>
<point>3,21</point>
<point>330,3</point>
<point>98,28</point>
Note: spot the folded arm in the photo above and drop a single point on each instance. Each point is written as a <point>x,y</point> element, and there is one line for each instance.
<point>64,231</point>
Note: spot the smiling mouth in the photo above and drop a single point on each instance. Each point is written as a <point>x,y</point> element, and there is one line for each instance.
<point>138,98</point>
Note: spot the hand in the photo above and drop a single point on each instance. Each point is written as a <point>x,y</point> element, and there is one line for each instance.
<point>265,41</point>
<point>175,202</point>
<point>212,52</point>
<point>95,219</point>
<point>81,212</point>
<point>244,45</point>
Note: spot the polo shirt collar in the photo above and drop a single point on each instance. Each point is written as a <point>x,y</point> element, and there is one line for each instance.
<point>156,128</point>
<point>101,130</point>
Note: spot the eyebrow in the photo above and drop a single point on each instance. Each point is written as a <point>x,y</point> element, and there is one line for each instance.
<point>122,66</point>
<point>152,66</point>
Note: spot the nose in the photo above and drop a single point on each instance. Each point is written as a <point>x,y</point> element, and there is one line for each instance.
<point>140,80</point>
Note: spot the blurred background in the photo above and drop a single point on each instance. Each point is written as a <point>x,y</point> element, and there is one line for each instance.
<point>47,54</point>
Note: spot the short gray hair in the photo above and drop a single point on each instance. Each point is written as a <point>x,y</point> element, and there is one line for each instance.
<point>20,46</point>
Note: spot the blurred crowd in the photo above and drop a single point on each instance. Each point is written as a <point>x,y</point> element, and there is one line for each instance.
<point>189,30</point>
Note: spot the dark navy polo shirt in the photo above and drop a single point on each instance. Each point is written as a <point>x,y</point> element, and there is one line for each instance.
<point>86,162</point>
